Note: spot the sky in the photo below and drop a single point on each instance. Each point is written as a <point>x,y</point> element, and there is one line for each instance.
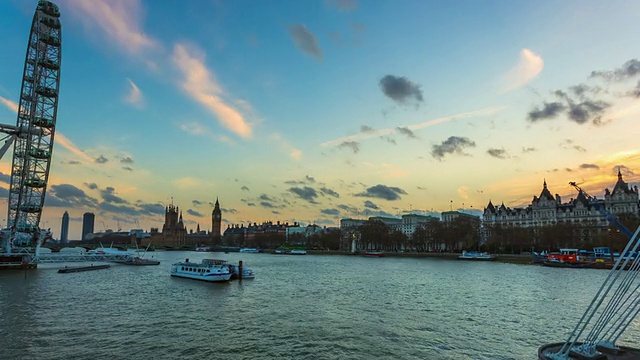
<point>317,110</point>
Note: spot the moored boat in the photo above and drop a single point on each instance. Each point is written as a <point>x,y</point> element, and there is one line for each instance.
<point>139,261</point>
<point>474,255</point>
<point>210,270</point>
<point>374,254</point>
<point>298,252</point>
<point>249,250</point>
<point>73,269</point>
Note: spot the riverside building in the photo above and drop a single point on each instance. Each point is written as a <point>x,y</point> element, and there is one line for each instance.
<point>548,210</point>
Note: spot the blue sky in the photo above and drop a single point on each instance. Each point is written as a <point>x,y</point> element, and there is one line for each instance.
<point>312,111</point>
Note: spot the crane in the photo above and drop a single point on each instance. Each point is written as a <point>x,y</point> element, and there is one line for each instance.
<point>613,220</point>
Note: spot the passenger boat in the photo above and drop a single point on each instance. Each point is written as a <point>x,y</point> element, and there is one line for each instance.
<point>374,254</point>
<point>479,256</point>
<point>211,270</point>
<point>298,252</point>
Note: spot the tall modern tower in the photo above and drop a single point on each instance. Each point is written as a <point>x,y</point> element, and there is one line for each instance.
<point>88,219</point>
<point>216,220</point>
<point>64,230</point>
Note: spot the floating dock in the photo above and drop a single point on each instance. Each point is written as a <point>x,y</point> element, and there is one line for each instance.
<point>74,269</point>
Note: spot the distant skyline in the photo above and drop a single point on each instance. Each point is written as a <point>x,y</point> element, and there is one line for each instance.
<point>313,111</point>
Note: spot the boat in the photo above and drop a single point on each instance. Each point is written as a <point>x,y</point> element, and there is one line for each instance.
<point>374,254</point>
<point>298,252</point>
<point>478,256</point>
<point>139,261</point>
<point>210,270</point>
<point>111,251</point>
<point>280,251</point>
<point>73,269</point>
<point>249,250</point>
<point>247,273</point>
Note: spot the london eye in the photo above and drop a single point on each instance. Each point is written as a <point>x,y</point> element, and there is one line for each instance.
<point>32,136</point>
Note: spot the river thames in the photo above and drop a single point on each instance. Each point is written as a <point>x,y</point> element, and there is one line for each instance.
<point>297,307</point>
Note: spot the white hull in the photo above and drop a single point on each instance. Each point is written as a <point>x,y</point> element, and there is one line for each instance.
<point>210,270</point>
<point>208,277</point>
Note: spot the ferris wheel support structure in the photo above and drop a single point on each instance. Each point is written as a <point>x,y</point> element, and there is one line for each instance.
<point>32,136</point>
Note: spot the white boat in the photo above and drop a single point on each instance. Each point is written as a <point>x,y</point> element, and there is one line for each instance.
<point>247,273</point>
<point>474,255</point>
<point>298,252</point>
<point>209,270</point>
<point>249,250</point>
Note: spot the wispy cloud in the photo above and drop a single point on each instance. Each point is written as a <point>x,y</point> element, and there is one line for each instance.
<point>200,84</point>
<point>422,125</point>
<point>60,139</point>
<point>135,95</point>
<point>528,68</point>
<point>9,104</point>
<point>118,19</point>
<point>69,145</point>
<point>293,152</point>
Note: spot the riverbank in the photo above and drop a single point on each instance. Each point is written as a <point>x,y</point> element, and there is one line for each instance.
<point>506,258</point>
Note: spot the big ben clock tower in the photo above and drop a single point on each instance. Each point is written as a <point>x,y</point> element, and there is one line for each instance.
<point>216,220</point>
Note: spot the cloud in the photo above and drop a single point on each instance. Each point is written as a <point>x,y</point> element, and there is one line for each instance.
<point>67,195</point>
<point>101,159</point>
<point>294,153</point>
<point>370,205</point>
<point>244,188</point>
<point>400,89</point>
<point>200,84</point>
<point>92,186</point>
<point>528,68</point>
<point>334,212</point>
<point>413,127</point>
<point>353,145</point>
<point>128,168</point>
<point>267,204</point>
<point>118,19</point>
<point>590,166</point>
<point>548,111</point>
<point>453,145</point>
<point>127,160</point>
<point>108,195</point>
<point>383,192</point>
<point>151,209</point>
<point>60,139</point>
<point>9,104</point>
<point>196,203</point>
<point>635,92</point>
<point>585,110</point>
<point>528,149</point>
<point>329,192</point>
<point>343,5</point>
<point>406,131</point>
<point>628,70</point>
<point>135,95</point>
<point>194,213</point>
<point>305,193</point>
<point>498,153</point>
<point>348,208</point>
<point>305,40</point>
<point>366,129</point>
<point>6,178</point>
<point>625,171</point>
<point>71,147</point>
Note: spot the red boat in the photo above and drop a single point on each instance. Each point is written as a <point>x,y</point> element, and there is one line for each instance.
<point>374,254</point>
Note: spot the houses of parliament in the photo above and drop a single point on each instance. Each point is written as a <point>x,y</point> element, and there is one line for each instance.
<point>174,232</point>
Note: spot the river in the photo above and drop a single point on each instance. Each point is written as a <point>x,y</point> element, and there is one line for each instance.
<point>297,307</point>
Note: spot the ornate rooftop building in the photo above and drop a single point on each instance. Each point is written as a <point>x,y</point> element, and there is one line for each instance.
<point>547,209</point>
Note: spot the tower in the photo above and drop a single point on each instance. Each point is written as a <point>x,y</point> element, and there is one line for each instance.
<point>216,221</point>
<point>88,220</point>
<point>64,230</point>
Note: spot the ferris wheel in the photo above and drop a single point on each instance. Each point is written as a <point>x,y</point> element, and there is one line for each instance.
<point>32,136</point>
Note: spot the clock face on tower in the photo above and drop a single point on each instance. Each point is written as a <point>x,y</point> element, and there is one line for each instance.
<point>217,217</point>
